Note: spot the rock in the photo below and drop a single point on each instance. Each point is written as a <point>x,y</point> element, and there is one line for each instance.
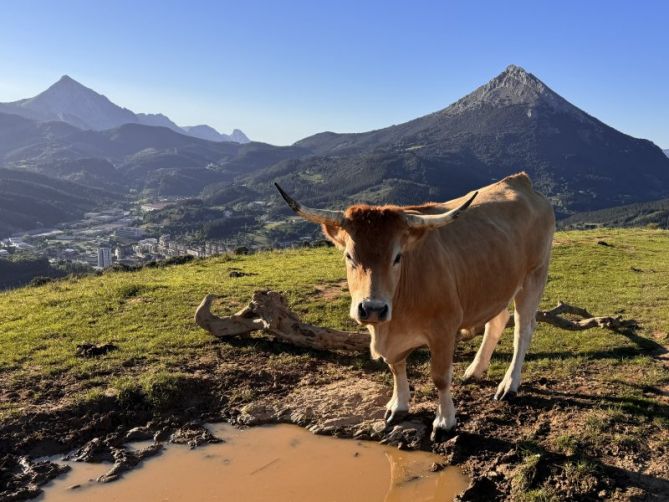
<point>256,414</point>
<point>20,478</point>
<point>301,417</point>
<point>482,488</point>
<point>408,434</point>
<point>455,449</point>
<point>194,435</point>
<point>436,467</point>
<point>95,451</point>
<point>125,460</point>
<point>162,435</point>
<point>139,434</point>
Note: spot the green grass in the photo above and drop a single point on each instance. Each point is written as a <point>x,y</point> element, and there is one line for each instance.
<point>149,315</point>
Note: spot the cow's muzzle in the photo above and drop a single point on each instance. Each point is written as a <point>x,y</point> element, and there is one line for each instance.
<point>373,311</point>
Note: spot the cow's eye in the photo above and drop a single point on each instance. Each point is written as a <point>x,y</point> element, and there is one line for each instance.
<point>350,260</point>
<point>398,258</point>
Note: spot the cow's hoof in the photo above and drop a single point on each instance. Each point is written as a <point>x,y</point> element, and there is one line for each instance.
<point>393,417</point>
<point>439,434</point>
<point>472,374</point>
<point>469,379</point>
<point>508,396</point>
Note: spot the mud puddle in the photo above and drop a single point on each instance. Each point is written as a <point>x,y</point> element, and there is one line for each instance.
<point>281,462</point>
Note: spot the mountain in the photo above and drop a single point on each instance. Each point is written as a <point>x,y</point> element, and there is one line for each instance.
<point>73,103</point>
<point>211,134</point>
<point>514,122</point>
<point>654,213</point>
<point>666,152</point>
<point>30,200</point>
<point>134,156</point>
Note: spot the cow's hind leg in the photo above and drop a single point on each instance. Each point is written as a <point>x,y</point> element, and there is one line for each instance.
<point>526,303</point>
<point>492,334</point>
<point>398,406</point>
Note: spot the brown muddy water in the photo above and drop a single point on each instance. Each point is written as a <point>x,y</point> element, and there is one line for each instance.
<point>278,463</point>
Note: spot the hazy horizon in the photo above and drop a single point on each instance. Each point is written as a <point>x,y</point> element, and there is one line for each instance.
<point>281,73</point>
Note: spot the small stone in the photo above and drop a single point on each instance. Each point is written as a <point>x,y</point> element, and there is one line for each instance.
<point>138,434</point>
<point>436,467</point>
<point>162,435</point>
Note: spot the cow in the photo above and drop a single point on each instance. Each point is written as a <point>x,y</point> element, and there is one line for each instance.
<point>417,275</point>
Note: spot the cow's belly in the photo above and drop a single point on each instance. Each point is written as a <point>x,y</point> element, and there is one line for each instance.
<point>487,306</point>
<point>480,317</point>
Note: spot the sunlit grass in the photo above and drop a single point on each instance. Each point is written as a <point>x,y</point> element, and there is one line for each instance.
<point>148,314</point>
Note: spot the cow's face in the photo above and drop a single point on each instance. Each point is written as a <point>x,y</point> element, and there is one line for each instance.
<point>374,240</point>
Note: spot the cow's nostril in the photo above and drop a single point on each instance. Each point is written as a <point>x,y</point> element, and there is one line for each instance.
<point>362,313</point>
<point>383,313</point>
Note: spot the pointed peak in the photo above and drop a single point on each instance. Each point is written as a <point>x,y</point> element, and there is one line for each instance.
<point>514,86</point>
<point>517,76</point>
<point>67,84</point>
<point>66,79</point>
<point>512,68</point>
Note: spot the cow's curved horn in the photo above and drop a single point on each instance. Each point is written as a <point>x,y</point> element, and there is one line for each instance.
<point>437,220</point>
<point>321,216</point>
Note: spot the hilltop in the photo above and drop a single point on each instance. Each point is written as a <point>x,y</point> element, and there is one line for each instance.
<point>591,417</point>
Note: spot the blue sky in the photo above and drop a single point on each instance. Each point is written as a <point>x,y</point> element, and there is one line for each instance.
<point>282,70</point>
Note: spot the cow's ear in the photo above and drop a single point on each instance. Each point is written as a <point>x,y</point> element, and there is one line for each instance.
<point>335,234</point>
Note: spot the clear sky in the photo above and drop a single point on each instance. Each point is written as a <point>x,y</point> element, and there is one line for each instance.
<point>282,70</point>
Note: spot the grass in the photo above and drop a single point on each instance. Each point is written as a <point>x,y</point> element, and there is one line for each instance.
<point>148,314</point>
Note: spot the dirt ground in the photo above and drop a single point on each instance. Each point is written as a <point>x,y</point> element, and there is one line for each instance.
<point>507,448</point>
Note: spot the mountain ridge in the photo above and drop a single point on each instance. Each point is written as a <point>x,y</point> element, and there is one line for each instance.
<point>72,102</point>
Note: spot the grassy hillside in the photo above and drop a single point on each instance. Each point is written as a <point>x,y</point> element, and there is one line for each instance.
<point>592,413</point>
<point>654,214</point>
<point>31,200</point>
<point>148,314</point>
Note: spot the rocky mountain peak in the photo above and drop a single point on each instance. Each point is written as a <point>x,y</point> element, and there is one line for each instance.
<point>514,86</point>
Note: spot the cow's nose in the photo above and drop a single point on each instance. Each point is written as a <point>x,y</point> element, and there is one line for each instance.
<point>373,311</point>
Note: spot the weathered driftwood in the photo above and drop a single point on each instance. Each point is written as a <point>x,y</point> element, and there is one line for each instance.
<point>555,317</point>
<point>269,313</point>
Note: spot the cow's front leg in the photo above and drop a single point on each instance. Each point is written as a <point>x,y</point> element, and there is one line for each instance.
<point>398,407</point>
<point>441,364</point>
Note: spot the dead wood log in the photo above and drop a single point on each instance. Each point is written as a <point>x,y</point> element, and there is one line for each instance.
<point>269,313</point>
<point>555,317</point>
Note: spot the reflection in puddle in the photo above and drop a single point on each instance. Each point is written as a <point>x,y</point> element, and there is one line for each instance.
<point>282,462</point>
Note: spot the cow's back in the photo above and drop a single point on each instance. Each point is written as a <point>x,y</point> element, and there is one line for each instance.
<point>480,260</point>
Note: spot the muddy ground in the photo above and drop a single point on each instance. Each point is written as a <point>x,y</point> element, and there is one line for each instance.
<point>507,448</point>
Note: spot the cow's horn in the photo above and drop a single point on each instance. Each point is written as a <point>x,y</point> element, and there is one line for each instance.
<point>321,216</point>
<point>437,220</point>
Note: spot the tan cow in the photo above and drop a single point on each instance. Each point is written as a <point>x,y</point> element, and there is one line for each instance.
<point>417,275</point>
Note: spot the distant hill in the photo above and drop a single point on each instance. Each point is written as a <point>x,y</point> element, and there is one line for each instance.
<point>655,213</point>
<point>15,273</point>
<point>130,156</point>
<point>30,200</point>
<point>666,152</point>
<point>73,103</point>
